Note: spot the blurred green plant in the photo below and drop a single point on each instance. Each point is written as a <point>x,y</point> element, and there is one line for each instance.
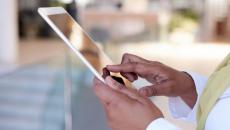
<point>186,19</point>
<point>54,3</point>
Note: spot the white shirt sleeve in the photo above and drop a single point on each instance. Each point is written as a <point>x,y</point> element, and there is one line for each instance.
<point>219,115</point>
<point>161,124</point>
<point>179,109</point>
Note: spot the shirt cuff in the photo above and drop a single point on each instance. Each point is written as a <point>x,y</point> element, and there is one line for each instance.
<point>179,109</point>
<point>161,124</point>
<point>200,82</point>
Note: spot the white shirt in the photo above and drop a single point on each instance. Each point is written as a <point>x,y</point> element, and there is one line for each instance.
<point>218,118</point>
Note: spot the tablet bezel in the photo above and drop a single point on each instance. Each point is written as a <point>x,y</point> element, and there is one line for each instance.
<point>45,12</point>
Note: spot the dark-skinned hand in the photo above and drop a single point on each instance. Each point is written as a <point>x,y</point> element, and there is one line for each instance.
<point>165,80</point>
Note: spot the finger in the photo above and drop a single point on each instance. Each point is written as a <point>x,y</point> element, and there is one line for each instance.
<point>126,58</point>
<point>105,73</point>
<point>162,89</point>
<point>132,93</point>
<point>106,94</point>
<point>148,91</point>
<point>102,91</point>
<point>130,76</point>
<point>133,67</point>
<point>113,83</point>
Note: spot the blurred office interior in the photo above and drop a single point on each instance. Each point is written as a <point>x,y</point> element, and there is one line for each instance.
<point>43,86</point>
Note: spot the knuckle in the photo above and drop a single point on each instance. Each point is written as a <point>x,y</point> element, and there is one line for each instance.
<point>154,91</point>
<point>125,57</point>
<point>157,63</point>
<point>135,66</point>
<point>139,67</point>
<point>158,68</point>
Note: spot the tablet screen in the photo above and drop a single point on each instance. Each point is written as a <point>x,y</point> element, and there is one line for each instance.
<point>80,41</point>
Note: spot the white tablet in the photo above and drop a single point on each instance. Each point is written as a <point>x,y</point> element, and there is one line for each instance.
<point>76,38</point>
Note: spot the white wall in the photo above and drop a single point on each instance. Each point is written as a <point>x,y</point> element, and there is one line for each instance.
<point>137,6</point>
<point>8,31</point>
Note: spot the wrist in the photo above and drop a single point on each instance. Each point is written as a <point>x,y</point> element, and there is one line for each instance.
<point>157,125</point>
<point>190,96</point>
<point>152,122</point>
<point>155,115</point>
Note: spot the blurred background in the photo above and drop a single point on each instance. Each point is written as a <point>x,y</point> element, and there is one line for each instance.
<point>44,87</point>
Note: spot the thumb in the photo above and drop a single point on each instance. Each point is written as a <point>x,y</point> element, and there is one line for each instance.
<point>105,93</point>
<point>162,89</point>
<point>129,92</point>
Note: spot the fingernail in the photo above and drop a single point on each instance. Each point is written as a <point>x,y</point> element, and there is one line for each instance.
<point>132,79</point>
<point>108,80</point>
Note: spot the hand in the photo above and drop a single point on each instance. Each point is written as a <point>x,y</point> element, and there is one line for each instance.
<point>125,108</point>
<point>165,81</point>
